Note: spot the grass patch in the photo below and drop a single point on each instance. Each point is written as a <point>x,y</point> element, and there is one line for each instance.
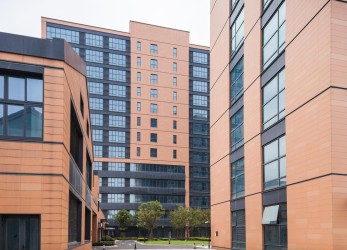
<point>176,242</point>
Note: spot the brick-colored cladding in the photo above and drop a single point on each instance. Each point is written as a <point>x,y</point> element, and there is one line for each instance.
<point>315,123</point>
<point>34,177</point>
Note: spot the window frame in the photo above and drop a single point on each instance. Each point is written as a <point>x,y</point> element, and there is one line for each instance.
<point>239,143</point>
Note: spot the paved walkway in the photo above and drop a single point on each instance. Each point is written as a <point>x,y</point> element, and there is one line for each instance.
<point>130,244</point>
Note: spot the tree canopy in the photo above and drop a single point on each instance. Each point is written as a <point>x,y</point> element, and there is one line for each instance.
<point>148,214</point>
<point>124,218</point>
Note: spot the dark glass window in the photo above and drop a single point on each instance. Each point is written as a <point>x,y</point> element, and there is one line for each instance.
<point>200,129</point>
<point>237,32</point>
<point>174,81</point>
<point>174,67</point>
<point>174,139</point>
<point>117,106</point>
<point>95,88</point>
<point>199,172</point>
<point>275,171</point>
<point>138,46</point>
<point>154,108</point>
<point>117,44</point>
<point>94,40</point>
<point>81,105</point>
<point>274,36</point>
<point>200,114</point>
<point>116,152</point>
<point>138,151</point>
<point>117,60</point>
<point>154,137</point>
<point>139,76</point>
<point>117,121</point>
<point>154,123</point>
<point>138,121</point>
<point>165,199</point>
<point>174,110</point>
<point>75,217</point>
<point>138,91</point>
<point>117,75</point>
<point>138,106</point>
<point>238,178</point>
<point>199,57</point>
<point>236,81</point>
<point>199,186</point>
<point>174,154</point>
<point>69,35</point>
<point>197,142</point>
<point>237,130</point>
<point>174,124</point>
<point>138,136</point>
<point>153,152</point>
<point>116,136</point>
<point>275,233</point>
<point>138,61</point>
<point>117,90</point>
<point>95,72</point>
<point>174,52</point>
<point>199,157</point>
<point>274,100</point>
<point>239,229</point>
<point>199,86</point>
<point>94,56</point>
<point>21,112</point>
<point>200,72</point>
<point>154,183</point>
<point>200,100</point>
<point>199,201</point>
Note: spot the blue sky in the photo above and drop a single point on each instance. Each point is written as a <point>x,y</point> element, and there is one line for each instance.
<point>23,16</point>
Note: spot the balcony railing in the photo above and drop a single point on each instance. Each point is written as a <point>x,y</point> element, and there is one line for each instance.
<point>89,196</point>
<point>76,177</point>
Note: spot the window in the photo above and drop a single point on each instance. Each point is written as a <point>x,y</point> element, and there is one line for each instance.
<point>275,163</point>
<point>153,152</point>
<point>237,32</point>
<point>174,96</point>
<point>154,78</point>
<point>174,52</point>
<point>116,152</point>
<point>98,166</point>
<point>94,56</point>
<point>97,135</point>
<point>138,121</point>
<point>174,110</point>
<point>116,136</point>
<point>237,130</point>
<point>154,93</point>
<point>154,137</point>
<point>117,121</point>
<point>174,139</point>
<point>97,151</point>
<point>199,86</point>
<point>96,103</point>
<point>115,182</point>
<point>154,108</point>
<point>174,67</point>
<point>275,227</point>
<point>154,64</point>
<point>94,40</point>
<point>239,229</point>
<point>117,90</point>
<point>138,106</point>
<point>138,61</point>
<point>200,157</point>
<point>77,50</point>
<point>274,34</point>
<point>199,100</point>
<point>154,123</point>
<point>115,198</point>
<point>198,142</point>
<point>199,172</point>
<point>95,88</point>
<point>81,105</point>
<point>200,129</point>
<point>199,57</point>
<point>233,3</point>
<point>199,72</point>
<point>95,72</point>
<point>174,81</point>
<point>117,75</point>
<point>138,136</point>
<point>266,3</point>
<point>117,106</point>
<point>199,114</point>
<point>238,179</point>
<point>236,81</point>
<point>116,166</point>
<point>69,35</point>
<point>21,109</point>
<point>97,119</point>
<point>138,91</point>
<point>117,44</point>
<point>274,100</point>
<point>154,49</point>
<point>174,124</point>
<point>139,76</point>
<point>138,46</point>
<point>117,60</point>
<point>174,154</point>
<point>138,151</point>
<point>111,214</point>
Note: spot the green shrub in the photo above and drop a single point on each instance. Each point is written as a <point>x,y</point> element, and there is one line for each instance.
<point>127,238</point>
<point>108,238</point>
<point>199,238</point>
<point>104,242</point>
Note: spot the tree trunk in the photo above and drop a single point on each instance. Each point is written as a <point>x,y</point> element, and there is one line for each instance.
<point>151,234</point>
<point>187,232</point>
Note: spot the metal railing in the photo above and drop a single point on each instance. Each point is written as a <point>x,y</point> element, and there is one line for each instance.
<point>76,177</point>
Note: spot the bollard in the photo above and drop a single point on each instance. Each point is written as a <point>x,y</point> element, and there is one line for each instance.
<point>135,246</point>
<point>194,246</point>
<point>104,247</point>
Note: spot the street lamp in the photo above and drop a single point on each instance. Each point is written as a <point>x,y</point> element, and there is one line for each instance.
<point>209,236</point>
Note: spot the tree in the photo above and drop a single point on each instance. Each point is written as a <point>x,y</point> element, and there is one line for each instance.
<point>200,217</point>
<point>124,218</point>
<point>148,214</point>
<point>180,218</point>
